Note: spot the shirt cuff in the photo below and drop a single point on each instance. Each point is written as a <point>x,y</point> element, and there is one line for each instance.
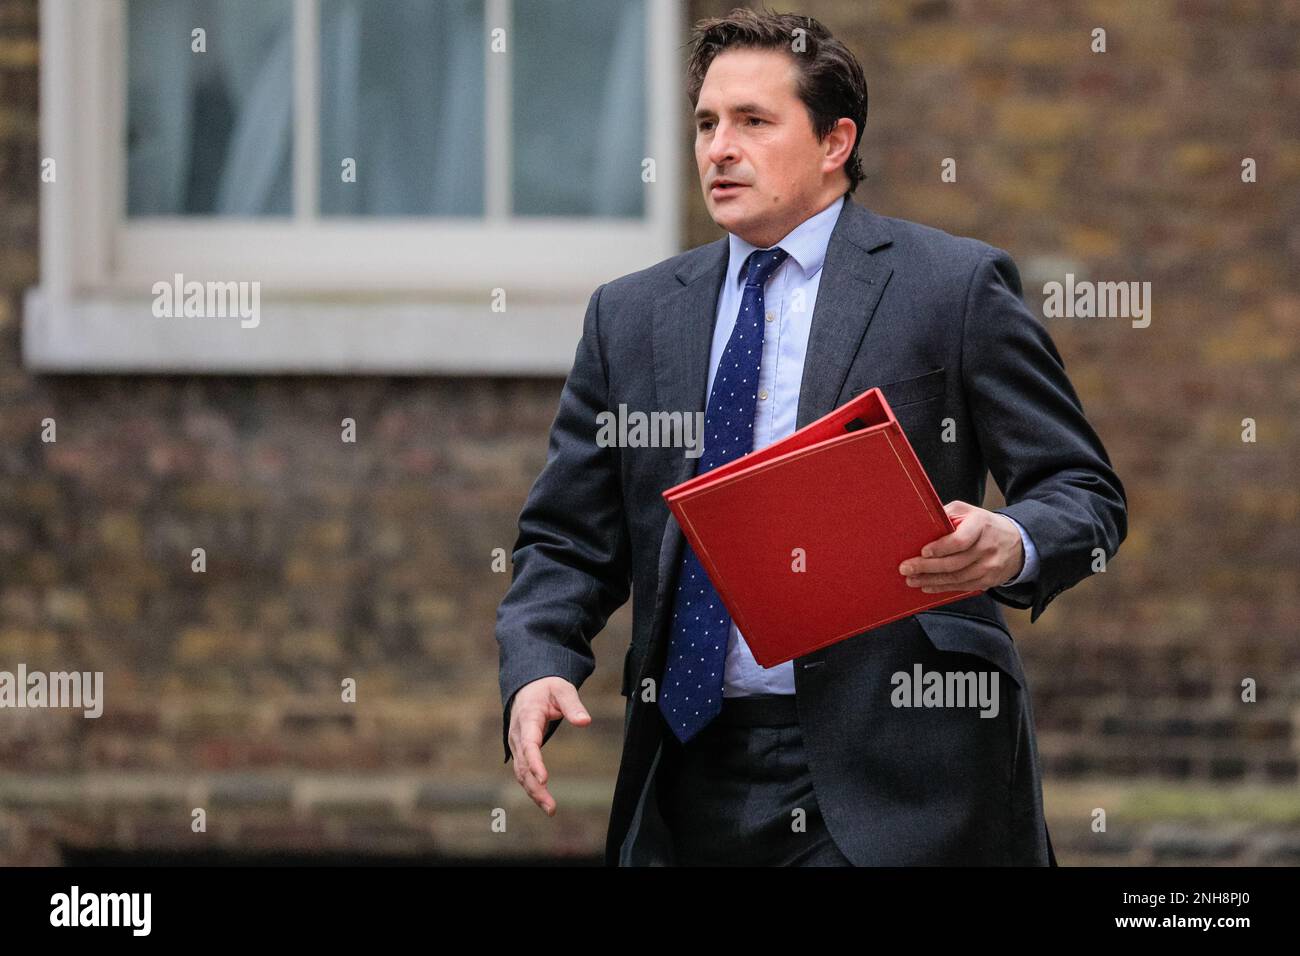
<point>1029,569</point>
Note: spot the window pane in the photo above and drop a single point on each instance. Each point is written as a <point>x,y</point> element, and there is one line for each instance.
<point>402,95</point>
<point>579,107</point>
<point>209,132</point>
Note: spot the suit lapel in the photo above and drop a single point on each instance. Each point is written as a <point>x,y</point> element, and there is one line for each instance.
<point>683,338</point>
<point>850,288</point>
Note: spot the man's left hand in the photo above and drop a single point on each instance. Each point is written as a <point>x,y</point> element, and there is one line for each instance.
<point>985,551</point>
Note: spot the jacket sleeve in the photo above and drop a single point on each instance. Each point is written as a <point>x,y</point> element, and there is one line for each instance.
<point>571,560</point>
<point>1054,474</point>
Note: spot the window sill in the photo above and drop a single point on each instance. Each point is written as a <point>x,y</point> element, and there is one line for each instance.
<point>371,336</point>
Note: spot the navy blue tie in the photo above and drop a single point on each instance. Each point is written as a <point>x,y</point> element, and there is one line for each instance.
<point>691,695</point>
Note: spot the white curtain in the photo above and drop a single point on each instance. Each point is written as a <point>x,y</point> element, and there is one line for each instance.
<point>579,107</point>
<point>210,132</point>
<point>401,93</point>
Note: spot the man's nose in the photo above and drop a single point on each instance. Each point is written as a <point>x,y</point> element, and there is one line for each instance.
<point>722,151</point>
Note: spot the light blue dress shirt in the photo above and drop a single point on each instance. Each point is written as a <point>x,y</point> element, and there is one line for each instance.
<point>789,297</point>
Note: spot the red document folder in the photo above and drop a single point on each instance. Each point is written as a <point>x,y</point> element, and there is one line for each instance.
<point>849,491</point>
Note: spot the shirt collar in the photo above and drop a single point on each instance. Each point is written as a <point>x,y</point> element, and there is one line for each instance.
<point>806,243</point>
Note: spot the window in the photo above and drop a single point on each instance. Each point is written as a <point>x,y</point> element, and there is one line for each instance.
<point>376,167</point>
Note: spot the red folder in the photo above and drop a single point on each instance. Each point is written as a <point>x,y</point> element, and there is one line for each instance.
<point>849,491</point>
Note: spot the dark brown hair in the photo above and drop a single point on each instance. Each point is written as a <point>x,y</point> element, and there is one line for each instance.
<point>831,84</point>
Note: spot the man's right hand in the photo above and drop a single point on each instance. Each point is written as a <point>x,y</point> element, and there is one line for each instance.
<point>535,705</point>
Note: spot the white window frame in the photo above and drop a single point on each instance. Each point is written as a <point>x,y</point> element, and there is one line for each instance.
<point>404,296</point>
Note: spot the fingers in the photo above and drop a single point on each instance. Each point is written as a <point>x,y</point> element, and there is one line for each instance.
<point>565,698</point>
<point>531,745</point>
<point>979,574</point>
<point>989,558</point>
<point>941,585</point>
<point>953,564</point>
<point>550,701</point>
<point>957,561</point>
<point>966,534</point>
<point>943,570</point>
<point>530,771</point>
<point>534,779</point>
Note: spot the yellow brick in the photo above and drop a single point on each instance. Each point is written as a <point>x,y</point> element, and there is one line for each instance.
<point>314,645</point>
<point>197,644</point>
<point>1199,158</point>
<point>950,46</point>
<point>1024,195</point>
<point>1092,243</point>
<point>43,568</point>
<point>1265,502</point>
<point>1046,164</point>
<point>67,606</point>
<point>1105,13</point>
<point>119,607</point>
<point>1247,275</point>
<point>987,88</point>
<point>1025,120</point>
<point>29,647</point>
<point>1137,543</point>
<point>895,12</point>
<point>214,496</point>
<point>432,610</point>
<point>1090,380</point>
<point>13,644</point>
<point>38,496</point>
<point>1137,123</point>
<point>19,54</point>
<point>1286,158</point>
<point>1049,49</point>
<point>120,531</point>
<point>372,684</point>
<point>328,535</point>
<point>1230,348</point>
<point>16,125</point>
<point>327,575</point>
<point>18,267</point>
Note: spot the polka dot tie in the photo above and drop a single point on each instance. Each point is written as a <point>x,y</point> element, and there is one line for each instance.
<point>691,695</point>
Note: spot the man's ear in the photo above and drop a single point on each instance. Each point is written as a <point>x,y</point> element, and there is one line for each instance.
<point>841,136</point>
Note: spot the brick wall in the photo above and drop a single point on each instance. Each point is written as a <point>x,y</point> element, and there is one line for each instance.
<point>328,560</point>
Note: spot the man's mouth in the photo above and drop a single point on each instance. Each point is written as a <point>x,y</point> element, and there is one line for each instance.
<point>725,188</point>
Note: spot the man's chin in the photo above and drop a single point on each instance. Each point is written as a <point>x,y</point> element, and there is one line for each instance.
<point>726,215</point>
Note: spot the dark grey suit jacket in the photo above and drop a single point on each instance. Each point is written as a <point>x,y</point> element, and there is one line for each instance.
<point>936,321</point>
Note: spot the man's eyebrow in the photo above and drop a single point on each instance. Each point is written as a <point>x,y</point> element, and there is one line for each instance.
<point>703,113</point>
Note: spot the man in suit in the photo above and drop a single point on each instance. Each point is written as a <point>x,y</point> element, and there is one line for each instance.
<point>808,301</point>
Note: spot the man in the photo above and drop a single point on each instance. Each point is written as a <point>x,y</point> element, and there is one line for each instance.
<point>816,761</point>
